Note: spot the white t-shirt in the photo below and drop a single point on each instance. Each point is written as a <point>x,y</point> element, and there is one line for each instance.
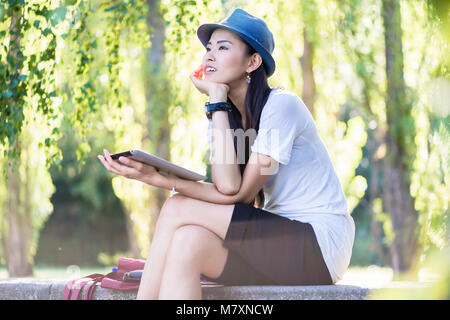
<point>305,187</point>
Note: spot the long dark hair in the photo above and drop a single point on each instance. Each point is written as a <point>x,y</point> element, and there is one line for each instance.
<point>255,99</point>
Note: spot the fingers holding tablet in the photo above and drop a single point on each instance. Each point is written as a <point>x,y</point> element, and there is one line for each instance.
<point>105,161</point>
<point>127,167</point>
<point>112,165</point>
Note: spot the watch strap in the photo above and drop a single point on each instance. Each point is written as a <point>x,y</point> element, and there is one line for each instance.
<point>218,106</point>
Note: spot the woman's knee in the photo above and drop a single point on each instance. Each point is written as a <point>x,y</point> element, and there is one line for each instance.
<point>188,244</point>
<point>172,210</point>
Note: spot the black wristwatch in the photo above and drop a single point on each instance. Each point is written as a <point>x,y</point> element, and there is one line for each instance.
<point>219,106</point>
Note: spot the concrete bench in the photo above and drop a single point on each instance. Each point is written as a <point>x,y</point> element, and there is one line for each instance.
<point>53,289</point>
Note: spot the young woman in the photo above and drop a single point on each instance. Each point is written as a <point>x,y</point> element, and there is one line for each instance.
<point>301,233</point>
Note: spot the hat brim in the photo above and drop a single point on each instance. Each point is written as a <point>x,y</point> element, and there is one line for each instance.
<point>204,34</point>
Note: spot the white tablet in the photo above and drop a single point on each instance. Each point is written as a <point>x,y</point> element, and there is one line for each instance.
<point>161,165</point>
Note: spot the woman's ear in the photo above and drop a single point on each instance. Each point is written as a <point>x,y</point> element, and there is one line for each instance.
<point>254,63</point>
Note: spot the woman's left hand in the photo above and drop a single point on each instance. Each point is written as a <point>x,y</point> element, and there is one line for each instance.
<point>130,168</point>
<point>207,87</point>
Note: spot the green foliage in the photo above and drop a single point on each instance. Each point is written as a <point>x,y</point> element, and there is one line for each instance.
<point>430,182</point>
<point>182,20</point>
<point>27,59</point>
<point>438,14</point>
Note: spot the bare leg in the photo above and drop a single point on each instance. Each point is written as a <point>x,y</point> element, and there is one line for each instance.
<point>194,250</point>
<point>178,211</point>
<point>151,277</point>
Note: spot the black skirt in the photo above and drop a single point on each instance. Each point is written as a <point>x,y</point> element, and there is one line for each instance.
<point>267,249</point>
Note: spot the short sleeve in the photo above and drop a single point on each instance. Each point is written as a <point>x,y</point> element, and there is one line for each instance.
<point>282,120</point>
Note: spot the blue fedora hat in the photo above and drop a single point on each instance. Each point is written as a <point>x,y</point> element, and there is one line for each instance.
<point>251,29</point>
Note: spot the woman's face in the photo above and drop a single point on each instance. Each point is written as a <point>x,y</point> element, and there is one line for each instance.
<point>226,52</point>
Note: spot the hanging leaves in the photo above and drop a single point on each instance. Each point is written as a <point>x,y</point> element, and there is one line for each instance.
<point>25,77</point>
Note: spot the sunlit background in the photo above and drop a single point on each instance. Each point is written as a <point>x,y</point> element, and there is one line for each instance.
<point>78,76</point>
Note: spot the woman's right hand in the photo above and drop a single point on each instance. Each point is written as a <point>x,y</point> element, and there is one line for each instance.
<point>214,90</point>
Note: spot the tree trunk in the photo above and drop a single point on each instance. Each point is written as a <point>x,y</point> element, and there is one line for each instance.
<point>133,245</point>
<point>158,99</point>
<point>396,196</point>
<point>306,61</point>
<point>18,236</point>
<point>374,143</point>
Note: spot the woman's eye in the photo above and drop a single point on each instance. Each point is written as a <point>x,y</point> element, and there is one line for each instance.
<point>207,49</point>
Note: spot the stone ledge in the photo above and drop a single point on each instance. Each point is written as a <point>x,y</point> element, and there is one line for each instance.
<point>53,289</point>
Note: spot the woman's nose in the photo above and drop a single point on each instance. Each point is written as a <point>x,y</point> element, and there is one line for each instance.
<point>209,55</point>
<point>207,59</point>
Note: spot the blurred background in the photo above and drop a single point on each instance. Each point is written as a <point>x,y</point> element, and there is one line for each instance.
<point>78,76</point>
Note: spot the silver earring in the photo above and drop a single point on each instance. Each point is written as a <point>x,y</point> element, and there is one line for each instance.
<point>248,78</point>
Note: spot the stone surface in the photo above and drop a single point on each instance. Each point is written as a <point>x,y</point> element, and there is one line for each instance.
<point>53,289</point>
<point>336,292</point>
<point>24,289</point>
